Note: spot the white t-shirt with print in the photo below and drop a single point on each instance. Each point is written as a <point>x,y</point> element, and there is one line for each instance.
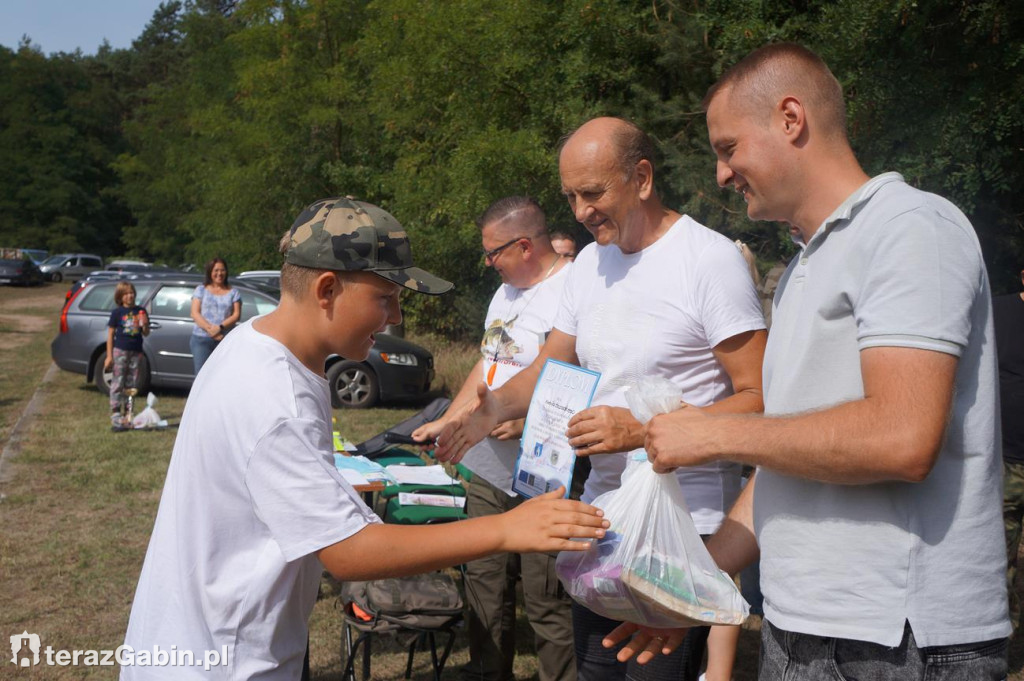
<point>659,312</point>
<point>517,324</point>
<point>251,494</point>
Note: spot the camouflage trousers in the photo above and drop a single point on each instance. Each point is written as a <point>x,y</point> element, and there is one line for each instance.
<point>126,375</point>
<point>1013,517</point>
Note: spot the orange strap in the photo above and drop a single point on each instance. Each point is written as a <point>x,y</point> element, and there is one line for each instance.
<point>360,613</point>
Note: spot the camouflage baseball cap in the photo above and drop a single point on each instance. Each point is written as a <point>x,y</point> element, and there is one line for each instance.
<point>346,235</point>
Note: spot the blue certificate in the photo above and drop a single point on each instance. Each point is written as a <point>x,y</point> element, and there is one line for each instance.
<point>546,460</point>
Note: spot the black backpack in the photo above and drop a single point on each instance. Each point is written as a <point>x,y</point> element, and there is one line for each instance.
<point>427,601</point>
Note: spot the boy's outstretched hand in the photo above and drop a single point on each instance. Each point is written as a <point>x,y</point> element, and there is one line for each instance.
<point>644,642</point>
<point>549,523</point>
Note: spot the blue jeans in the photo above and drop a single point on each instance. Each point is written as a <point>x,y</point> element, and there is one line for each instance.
<point>202,347</point>
<point>786,656</point>
<point>594,662</point>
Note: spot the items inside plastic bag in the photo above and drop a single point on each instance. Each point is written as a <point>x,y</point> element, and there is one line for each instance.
<point>651,567</point>
<point>148,418</point>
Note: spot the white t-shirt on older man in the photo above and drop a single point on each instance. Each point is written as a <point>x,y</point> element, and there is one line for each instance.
<point>659,312</point>
<point>251,494</point>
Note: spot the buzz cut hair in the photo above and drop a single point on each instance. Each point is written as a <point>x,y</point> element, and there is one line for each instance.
<point>769,73</point>
<point>525,210</point>
<point>296,279</point>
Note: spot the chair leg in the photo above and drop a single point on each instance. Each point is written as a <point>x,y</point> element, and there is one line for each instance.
<point>436,663</point>
<point>412,653</point>
<point>349,672</point>
<point>447,651</point>
<point>366,656</point>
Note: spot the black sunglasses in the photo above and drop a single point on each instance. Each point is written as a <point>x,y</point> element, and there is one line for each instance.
<point>493,253</point>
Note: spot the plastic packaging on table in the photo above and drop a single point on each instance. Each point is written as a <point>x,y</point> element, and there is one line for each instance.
<point>651,567</point>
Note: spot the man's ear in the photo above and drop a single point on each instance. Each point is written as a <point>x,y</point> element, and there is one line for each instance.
<point>326,288</point>
<point>643,175</point>
<point>527,245</point>
<point>793,117</point>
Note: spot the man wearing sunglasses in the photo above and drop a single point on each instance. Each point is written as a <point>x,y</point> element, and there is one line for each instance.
<point>657,295</point>
<point>514,236</point>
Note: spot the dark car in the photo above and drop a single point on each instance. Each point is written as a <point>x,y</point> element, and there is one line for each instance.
<point>20,271</point>
<point>395,370</point>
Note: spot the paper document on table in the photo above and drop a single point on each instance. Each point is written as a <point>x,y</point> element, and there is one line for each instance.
<point>421,475</point>
<point>546,460</point>
<point>353,478</point>
<point>370,470</point>
<point>443,500</point>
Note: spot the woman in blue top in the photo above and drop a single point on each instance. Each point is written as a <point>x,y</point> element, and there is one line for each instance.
<point>216,307</point>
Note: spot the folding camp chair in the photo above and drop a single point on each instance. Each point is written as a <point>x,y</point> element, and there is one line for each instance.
<point>420,607</point>
<point>385,449</point>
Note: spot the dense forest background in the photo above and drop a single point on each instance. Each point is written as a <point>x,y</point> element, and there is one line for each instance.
<point>225,118</point>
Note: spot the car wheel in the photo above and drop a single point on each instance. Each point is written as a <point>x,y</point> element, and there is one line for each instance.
<point>102,378</point>
<point>57,277</point>
<point>353,385</point>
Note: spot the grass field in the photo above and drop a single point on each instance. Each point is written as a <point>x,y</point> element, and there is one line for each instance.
<point>79,501</point>
<point>77,504</point>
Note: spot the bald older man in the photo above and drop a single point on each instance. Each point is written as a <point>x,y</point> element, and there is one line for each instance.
<point>877,498</point>
<point>657,294</point>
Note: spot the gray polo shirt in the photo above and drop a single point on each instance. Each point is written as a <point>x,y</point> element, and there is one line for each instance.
<point>892,266</point>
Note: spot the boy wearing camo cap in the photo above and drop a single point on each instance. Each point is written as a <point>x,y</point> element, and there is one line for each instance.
<point>253,508</point>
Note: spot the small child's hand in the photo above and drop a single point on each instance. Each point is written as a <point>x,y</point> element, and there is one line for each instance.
<point>107,363</point>
<point>550,523</point>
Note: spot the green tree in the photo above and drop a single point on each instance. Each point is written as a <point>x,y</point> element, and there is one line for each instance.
<point>469,100</point>
<point>933,89</point>
<point>58,134</point>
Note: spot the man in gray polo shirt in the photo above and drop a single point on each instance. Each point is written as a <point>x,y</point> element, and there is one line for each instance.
<point>876,503</point>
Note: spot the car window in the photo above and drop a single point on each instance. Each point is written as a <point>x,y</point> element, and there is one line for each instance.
<point>70,262</point>
<point>91,262</point>
<point>100,297</point>
<point>255,304</point>
<point>173,301</point>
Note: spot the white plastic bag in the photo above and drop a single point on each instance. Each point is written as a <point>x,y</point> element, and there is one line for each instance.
<point>148,418</point>
<point>651,567</point>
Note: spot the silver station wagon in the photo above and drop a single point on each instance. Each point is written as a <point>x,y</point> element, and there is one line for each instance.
<point>396,369</point>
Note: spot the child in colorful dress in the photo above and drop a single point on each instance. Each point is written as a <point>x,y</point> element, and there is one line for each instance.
<point>128,324</point>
